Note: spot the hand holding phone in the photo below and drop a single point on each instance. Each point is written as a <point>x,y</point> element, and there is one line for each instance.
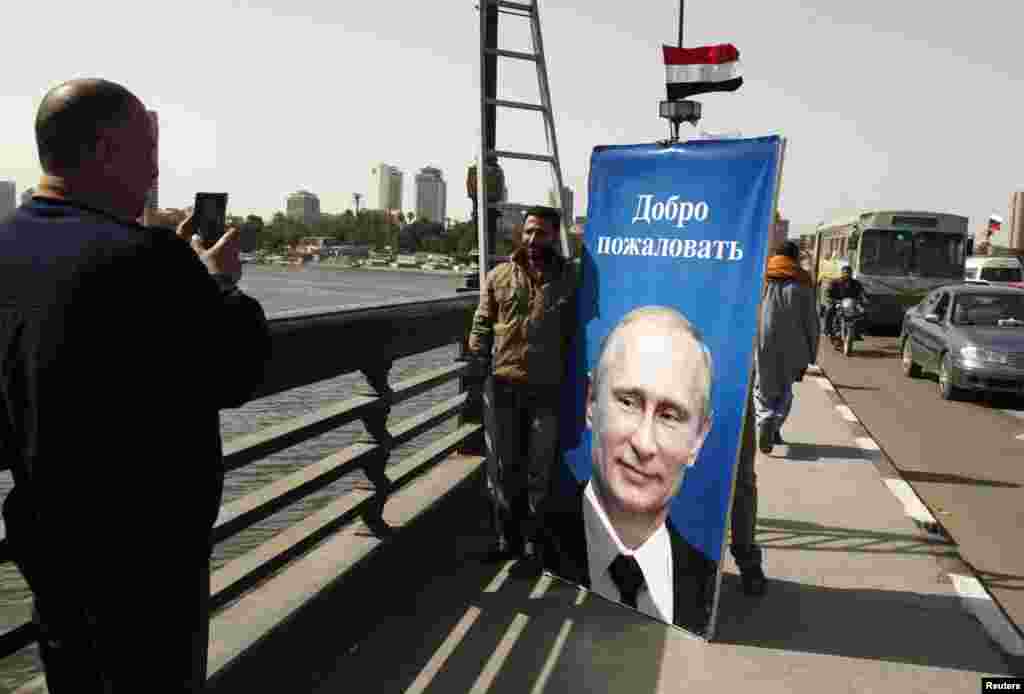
<point>209,217</point>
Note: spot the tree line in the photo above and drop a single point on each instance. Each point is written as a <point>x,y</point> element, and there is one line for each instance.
<point>373,228</point>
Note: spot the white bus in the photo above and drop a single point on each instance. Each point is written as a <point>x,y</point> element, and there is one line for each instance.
<point>899,256</point>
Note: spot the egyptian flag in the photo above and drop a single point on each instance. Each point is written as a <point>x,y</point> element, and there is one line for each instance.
<point>995,223</point>
<point>690,71</point>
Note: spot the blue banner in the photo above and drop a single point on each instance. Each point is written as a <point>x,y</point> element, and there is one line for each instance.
<point>672,270</point>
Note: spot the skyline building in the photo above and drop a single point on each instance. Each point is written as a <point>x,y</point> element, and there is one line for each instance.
<point>568,206</point>
<point>385,188</point>
<point>431,195</point>
<point>303,206</point>
<point>8,198</point>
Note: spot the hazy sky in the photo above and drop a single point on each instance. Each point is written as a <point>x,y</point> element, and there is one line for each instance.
<point>895,103</point>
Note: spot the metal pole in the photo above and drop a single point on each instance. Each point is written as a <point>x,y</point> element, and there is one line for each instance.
<point>682,4</point>
<point>490,120</point>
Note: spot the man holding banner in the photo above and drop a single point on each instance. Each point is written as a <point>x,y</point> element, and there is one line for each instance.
<point>527,316</point>
<point>648,406</point>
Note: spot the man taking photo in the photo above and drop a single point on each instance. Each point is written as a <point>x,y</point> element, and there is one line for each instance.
<point>119,344</point>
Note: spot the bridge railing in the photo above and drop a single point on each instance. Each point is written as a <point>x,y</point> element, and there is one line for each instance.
<point>312,348</point>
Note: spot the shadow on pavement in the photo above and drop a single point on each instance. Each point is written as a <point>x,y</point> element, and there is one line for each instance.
<point>784,534</point>
<point>1000,581</point>
<point>874,353</point>
<point>947,478</point>
<point>882,625</point>
<point>1002,401</point>
<point>841,386</point>
<point>808,452</point>
<point>432,615</point>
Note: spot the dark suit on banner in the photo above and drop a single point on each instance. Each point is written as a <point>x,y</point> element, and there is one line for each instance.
<point>564,552</point>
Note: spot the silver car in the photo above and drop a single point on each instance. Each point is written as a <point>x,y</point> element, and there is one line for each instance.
<point>971,335</point>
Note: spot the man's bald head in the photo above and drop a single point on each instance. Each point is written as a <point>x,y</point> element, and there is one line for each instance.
<point>74,116</point>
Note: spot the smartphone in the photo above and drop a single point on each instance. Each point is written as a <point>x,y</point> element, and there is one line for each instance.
<point>210,215</point>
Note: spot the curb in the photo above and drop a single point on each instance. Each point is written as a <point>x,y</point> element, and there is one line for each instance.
<point>975,598</point>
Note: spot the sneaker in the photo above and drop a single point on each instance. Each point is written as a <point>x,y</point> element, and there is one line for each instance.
<point>754,581</point>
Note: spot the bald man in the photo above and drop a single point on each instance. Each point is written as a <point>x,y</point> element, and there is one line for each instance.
<point>649,410</point>
<point>119,345</point>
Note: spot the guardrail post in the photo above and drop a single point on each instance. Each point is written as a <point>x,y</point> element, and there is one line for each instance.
<point>376,425</point>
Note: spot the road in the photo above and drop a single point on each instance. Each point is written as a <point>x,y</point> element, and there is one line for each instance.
<point>962,458</point>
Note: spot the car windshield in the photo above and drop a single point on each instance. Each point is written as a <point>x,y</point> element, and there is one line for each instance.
<point>1004,310</point>
<point>923,253</point>
<point>1001,274</point>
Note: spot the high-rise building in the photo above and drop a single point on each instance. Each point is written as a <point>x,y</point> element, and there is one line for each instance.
<point>568,206</point>
<point>1015,240</point>
<point>385,188</point>
<point>8,198</point>
<point>303,206</point>
<point>431,195</point>
<point>153,196</point>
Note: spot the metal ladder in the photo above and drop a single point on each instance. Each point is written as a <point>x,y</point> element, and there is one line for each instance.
<point>530,11</point>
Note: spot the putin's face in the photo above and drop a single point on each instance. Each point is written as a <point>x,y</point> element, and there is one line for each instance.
<point>647,416</point>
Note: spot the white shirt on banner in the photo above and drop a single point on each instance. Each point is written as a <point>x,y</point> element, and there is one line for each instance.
<point>654,557</point>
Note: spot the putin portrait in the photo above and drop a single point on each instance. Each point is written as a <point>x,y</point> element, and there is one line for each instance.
<point>648,407</point>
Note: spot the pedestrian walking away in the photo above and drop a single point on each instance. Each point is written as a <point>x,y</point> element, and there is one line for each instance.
<point>520,336</point>
<point>119,345</point>
<point>787,342</point>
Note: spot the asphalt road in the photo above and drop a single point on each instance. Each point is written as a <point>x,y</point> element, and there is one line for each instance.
<point>962,458</point>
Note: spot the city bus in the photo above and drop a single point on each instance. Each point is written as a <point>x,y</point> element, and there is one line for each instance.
<point>898,256</point>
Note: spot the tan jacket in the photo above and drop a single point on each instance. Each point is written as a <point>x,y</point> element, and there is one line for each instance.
<point>529,324</point>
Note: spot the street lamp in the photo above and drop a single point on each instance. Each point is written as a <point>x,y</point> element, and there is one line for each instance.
<point>677,112</point>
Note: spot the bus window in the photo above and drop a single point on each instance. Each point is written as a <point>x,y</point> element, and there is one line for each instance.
<point>938,255</point>
<point>893,252</point>
<point>869,249</point>
<point>929,254</point>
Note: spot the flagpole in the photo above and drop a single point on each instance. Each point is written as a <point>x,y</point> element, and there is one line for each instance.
<point>678,110</point>
<point>682,4</point>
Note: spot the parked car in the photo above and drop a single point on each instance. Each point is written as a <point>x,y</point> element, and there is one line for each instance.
<point>998,270</point>
<point>971,335</point>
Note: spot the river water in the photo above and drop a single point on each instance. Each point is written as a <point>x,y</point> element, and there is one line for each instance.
<point>283,291</point>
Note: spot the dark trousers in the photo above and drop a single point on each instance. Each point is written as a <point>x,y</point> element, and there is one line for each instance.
<point>527,419</point>
<point>146,635</point>
<point>744,550</point>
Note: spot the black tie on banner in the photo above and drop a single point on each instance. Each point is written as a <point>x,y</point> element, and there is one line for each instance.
<point>628,577</point>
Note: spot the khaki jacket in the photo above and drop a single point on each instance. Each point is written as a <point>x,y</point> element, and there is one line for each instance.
<point>529,324</point>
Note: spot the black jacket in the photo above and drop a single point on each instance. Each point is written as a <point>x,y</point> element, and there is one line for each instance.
<point>564,553</point>
<point>117,349</point>
<point>839,290</point>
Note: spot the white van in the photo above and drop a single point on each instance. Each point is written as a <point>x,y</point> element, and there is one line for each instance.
<point>982,269</point>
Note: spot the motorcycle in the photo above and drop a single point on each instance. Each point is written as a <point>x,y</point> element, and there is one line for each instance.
<point>849,316</point>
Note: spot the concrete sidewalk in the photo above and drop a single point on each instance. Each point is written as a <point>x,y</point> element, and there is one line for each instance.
<point>859,600</point>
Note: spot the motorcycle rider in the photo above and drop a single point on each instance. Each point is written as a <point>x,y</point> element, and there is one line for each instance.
<point>846,287</point>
